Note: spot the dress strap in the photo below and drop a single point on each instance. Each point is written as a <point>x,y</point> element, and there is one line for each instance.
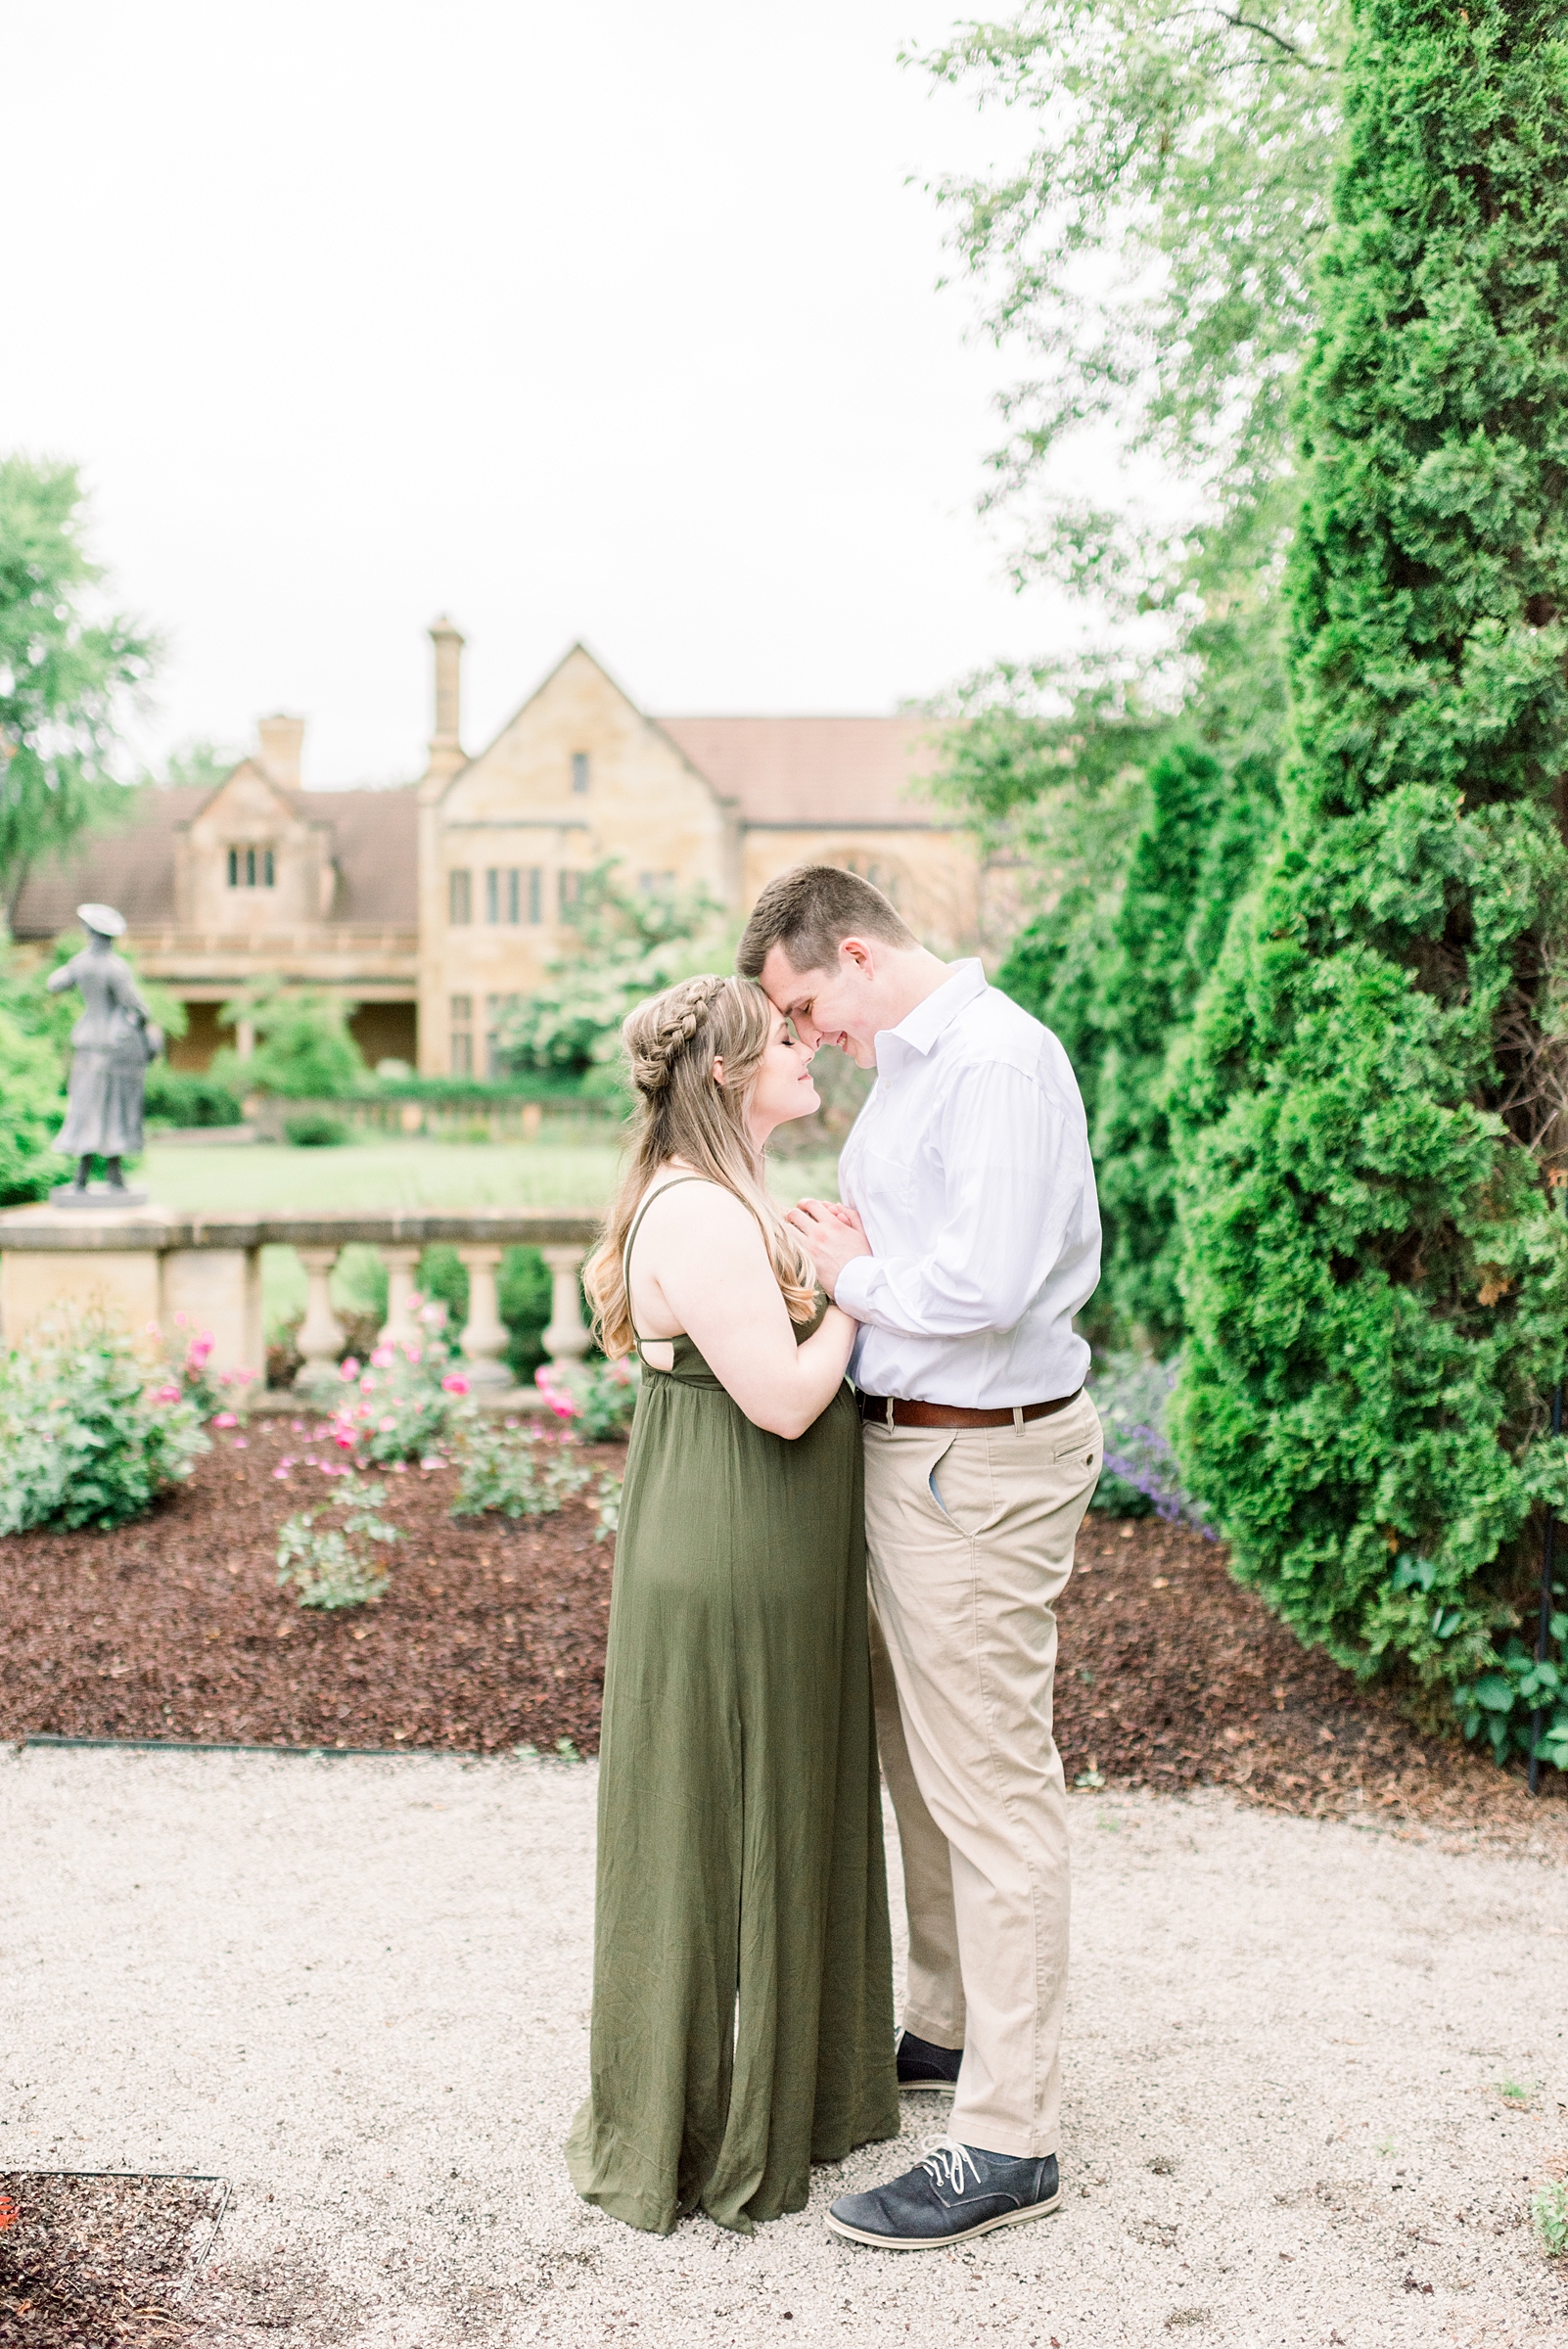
<point>636,1227</point>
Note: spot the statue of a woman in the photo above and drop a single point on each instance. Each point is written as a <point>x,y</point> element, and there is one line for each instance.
<point>112,1044</point>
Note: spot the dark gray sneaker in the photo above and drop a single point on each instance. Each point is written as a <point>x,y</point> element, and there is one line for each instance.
<point>956,2192</point>
<point>921,2064</point>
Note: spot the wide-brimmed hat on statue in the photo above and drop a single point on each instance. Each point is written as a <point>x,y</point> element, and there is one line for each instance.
<point>102,919</point>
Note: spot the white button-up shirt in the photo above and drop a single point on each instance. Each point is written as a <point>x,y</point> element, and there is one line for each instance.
<point>970,1169</point>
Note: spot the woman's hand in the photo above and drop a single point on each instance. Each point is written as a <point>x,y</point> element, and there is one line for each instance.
<point>833,1235</point>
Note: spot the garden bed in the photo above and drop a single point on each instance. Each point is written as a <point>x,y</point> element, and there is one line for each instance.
<point>491,1636</point>
<point>101,2262</point>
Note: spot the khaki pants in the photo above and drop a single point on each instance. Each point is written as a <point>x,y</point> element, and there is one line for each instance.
<point>970,1538</point>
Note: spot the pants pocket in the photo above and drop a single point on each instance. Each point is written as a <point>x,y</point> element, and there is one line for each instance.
<point>966,1515</point>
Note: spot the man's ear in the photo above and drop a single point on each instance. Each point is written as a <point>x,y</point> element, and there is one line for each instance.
<point>859,952</point>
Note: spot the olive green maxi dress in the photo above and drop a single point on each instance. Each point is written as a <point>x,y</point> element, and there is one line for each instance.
<point>742,1981</point>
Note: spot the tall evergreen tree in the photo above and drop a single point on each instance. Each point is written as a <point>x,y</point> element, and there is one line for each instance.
<point>1375,1262</point>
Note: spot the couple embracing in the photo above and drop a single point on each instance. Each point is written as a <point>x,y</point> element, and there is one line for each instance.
<point>743,2006</point>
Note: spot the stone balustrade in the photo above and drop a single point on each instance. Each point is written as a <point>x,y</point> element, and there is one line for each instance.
<point>144,1265</point>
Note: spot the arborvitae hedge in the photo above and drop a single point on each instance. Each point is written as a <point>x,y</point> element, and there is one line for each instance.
<point>1375,1262</point>
<point>1189,865</point>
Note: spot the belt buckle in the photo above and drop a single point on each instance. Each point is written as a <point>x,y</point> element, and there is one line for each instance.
<point>887,1405</point>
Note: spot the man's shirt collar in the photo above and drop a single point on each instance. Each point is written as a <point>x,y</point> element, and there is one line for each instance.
<point>920,1030</point>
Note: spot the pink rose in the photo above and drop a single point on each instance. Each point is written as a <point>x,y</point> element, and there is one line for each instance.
<point>383,1358</point>
<point>454,1383</point>
<point>168,1394</point>
<point>387,1426</point>
<point>349,1367</point>
<point>225,1419</point>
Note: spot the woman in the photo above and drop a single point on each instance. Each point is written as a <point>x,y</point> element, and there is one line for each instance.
<point>743,1999</point>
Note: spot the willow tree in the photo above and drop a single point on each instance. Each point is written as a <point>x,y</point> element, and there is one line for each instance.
<point>68,672</point>
<point>1375,1257</point>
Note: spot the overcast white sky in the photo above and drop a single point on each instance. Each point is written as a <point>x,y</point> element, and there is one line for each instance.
<point>608,320</point>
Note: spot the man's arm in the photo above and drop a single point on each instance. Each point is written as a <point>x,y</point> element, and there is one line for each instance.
<point>1013,1164</point>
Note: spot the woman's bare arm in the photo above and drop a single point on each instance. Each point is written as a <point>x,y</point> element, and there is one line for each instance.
<point>701,1266</point>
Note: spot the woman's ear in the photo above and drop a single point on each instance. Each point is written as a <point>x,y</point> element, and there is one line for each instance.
<point>718,1069</point>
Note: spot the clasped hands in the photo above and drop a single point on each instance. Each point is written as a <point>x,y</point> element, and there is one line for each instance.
<point>833,1235</point>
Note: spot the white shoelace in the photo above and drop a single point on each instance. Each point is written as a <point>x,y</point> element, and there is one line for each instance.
<point>945,2160</point>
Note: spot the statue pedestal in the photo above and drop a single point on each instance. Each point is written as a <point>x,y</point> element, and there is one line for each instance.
<point>98,1197</point>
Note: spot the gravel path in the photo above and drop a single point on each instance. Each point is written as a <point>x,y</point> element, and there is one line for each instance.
<point>358,1989</point>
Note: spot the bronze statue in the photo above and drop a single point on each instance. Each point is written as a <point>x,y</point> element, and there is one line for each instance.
<point>112,1044</point>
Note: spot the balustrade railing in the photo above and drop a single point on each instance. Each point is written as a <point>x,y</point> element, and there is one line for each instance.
<point>144,1265</point>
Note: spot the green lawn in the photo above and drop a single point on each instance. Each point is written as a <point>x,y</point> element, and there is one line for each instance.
<point>256,1178</point>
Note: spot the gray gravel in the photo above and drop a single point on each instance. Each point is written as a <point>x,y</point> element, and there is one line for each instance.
<point>358,1989</point>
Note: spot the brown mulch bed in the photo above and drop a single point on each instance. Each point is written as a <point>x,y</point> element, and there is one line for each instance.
<point>491,1636</point>
<point>99,2263</point>
<point>1171,1676</point>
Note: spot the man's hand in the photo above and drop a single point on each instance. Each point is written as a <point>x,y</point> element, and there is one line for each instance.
<point>833,1234</point>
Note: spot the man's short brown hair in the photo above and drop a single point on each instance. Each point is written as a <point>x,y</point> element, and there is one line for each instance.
<point>810,912</point>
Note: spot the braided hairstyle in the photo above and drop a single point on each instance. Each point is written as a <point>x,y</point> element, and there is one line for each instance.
<point>656,1033</point>
<point>676,1044</point>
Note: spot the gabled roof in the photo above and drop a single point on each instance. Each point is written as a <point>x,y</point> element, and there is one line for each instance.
<point>655,725</point>
<point>374,846</point>
<point>131,868</point>
<point>813,770</point>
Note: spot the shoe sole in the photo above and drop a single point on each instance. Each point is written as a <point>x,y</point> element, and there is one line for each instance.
<point>915,2088</point>
<point>939,2243</point>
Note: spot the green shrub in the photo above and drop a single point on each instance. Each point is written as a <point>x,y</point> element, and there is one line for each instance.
<point>1548,2208</point>
<point>33,1109</point>
<point>303,1050</point>
<point>333,1565</point>
<point>515,1470</point>
<point>188,1098</point>
<point>1190,861</point>
<point>1056,970</point>
<point>314,1131</point>
<point>90,1433</point>
<point>443,1281</point>
<point>1375,1269</point>
<point>524,1294</point>
<point>518,1471</point>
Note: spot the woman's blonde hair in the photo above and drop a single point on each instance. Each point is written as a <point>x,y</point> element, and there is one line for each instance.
<point>684,1111</point>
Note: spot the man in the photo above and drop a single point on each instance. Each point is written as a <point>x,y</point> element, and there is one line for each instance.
<point>968,1174</point>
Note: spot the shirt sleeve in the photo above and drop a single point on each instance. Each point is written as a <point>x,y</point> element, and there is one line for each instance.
<point>1013,1169</point>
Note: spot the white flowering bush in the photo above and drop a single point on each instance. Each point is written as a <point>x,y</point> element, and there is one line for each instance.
<point>91,1429</point>
<point>328,1559</point>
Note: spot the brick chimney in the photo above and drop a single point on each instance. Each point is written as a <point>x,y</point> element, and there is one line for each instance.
<point>282,738</point>
<point>447,742</point>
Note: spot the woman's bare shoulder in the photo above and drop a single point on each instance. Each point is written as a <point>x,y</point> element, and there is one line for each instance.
<point>695,1207</point>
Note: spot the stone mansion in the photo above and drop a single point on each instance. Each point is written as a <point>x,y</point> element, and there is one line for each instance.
<point>432,907</point>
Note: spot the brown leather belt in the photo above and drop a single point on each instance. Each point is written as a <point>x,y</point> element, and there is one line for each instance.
<point>897,1411</point>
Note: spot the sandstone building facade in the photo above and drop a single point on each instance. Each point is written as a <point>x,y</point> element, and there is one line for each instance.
<point>434,906</point>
